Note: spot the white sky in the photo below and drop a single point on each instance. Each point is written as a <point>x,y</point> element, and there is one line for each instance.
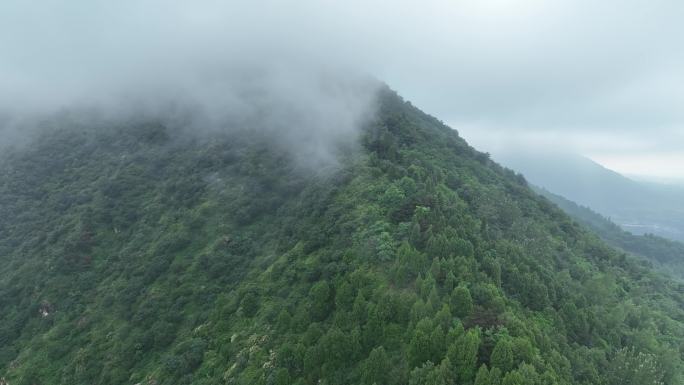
<point>603,78</point>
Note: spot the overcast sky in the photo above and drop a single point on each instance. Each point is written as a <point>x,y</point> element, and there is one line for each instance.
<point>602,78</point>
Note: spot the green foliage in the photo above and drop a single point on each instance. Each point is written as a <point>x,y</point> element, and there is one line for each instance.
<point>502,355</point>
<point>429,374</point>
<point>463,354</point>
<point>250,304</point>
<point>141,254</point>
<point>377,367</point>
<point>483,377</point>
<point>320,295</point>
<point>515,378</point>
<point>427,343</point>
<point>462,302</point>
<point>629,367</point>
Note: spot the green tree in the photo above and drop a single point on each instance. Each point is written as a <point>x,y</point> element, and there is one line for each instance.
<point>461,302</point>
<point>338,348</point>
<point>281,377</point>
<point>482,377</point>
<point>344,296</point>
<point>284,320</point>
<point>443,318</point>
<point>502,355</point>
<point>523,351</point>
<point>421,347</point>
<point>291,357</point>
<point>250,304</point>
<point>377,367</point>
<point>360,308</point>
<point>463,356</point>
<point>373,330</point>
<point>631,367</point>
<point>438,246</point>
<point>429,374</point>
<point>449,282</point>
<point>514,378</point>
<point>384,250</point>
<point>320,304</point>
<point>393,197</point>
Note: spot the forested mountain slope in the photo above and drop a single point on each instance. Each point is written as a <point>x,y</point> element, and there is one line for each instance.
<point>666,255</point>
<point>132,255</point>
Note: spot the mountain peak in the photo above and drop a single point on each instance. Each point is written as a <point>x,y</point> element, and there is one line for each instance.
<point>419,260</point>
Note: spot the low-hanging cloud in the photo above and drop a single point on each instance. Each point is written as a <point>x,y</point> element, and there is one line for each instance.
<point>209,67</point>
<point>312,114</point>
<point>571,70</point>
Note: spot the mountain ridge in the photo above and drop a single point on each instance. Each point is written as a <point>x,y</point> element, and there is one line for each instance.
<point>132,258</point>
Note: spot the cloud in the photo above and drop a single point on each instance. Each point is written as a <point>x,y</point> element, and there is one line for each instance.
<point>567,69</point>
<point>207,66</point>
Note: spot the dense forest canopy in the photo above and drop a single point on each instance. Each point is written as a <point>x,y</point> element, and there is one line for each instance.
<point>130,255</point>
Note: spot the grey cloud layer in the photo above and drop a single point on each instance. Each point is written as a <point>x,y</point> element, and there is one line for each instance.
<point>509,67</point>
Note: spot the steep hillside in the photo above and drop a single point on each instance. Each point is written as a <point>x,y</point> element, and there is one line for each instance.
<point>133,254</point>
<point>667,255</point>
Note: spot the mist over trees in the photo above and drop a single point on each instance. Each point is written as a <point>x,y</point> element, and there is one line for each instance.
<point>129,256</point>
<point>227,193</point>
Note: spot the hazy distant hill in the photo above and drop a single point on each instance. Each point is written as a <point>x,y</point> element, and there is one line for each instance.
<point>665,254</point>
<point>639,207</point>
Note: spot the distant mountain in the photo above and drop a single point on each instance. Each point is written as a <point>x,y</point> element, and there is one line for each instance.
<point>641,208</point>
<point>666,255</point>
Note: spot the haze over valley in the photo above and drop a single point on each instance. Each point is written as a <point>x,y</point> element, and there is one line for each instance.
<point>638,207</point>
